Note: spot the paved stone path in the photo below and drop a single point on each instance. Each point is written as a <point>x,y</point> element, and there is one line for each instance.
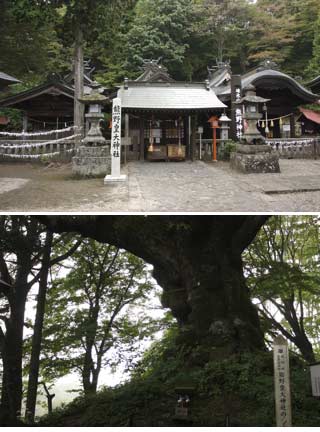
<point>163,187</point>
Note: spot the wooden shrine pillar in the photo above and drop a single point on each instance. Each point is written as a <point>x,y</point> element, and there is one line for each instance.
<point>141,139</point>
<point>292,126</point>
<point>193,144</point>
<point>79,108</point>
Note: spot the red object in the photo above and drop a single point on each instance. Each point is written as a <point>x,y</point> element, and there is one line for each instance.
<point>214,122</point>
<point>311,115</point>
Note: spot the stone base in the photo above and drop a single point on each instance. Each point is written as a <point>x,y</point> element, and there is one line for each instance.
<point>113,179</point>
<point>92,161</point>
<point>254,160</point>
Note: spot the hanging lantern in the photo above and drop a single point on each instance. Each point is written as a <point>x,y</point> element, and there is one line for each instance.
<point>272,124</point>
<point>280,121</point>
<point>263,124</point>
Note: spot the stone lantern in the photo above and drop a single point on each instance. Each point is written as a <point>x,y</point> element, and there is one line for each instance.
<point>93,156</point>
<point>94,116</point>
<point>252,115</point>
<point>224,121</point>
<point>224,128</point>
<point>252,155</point>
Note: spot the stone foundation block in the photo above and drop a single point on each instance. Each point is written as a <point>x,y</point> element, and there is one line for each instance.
<point>255,163</point>
<point>92,161</point>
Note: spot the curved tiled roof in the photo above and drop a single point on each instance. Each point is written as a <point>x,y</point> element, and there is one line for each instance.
<point>271,76</point>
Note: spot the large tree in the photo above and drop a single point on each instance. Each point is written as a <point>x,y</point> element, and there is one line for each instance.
<point>100,291</point>
<point>282,269</point>
<point>197,262</point>
<point>25,247</point>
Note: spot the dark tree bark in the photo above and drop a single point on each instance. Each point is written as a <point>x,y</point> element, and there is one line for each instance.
<point>37,332</point>
<point>12,349</point>
<point>78,82</point>
<point>197,262</point>
<point>34,367</point>
<point>49,397</point>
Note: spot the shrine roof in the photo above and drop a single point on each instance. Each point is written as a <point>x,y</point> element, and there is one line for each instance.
<point>314,84</point>
<point>272,78</point>
<point>169,96</point>
<point>7,79</point>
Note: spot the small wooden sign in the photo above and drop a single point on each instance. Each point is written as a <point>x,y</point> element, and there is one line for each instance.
<point>282,382</point>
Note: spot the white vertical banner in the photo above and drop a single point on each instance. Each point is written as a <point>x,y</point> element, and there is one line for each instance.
<point>282,382</point>
<point>115,144</point>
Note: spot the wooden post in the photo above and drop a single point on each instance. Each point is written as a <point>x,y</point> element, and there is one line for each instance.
<point>214,145</point>
<point>78,84</point>
<point>193,137</point>
<point>141,139</point>
<point>282,382</point>
<point>292,126</point>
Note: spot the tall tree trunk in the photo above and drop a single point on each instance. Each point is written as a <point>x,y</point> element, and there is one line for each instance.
<point>78,83</point>
<point>88,364</point>
<point>197,261</point>
<point>37,333</point>
<point>11,397</point>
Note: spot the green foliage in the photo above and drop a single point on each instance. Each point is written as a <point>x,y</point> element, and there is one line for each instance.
<point>15,118</point>
<point>104,293</point>
<point>225,28</point>
<point>282,269</point>
<point>241,387</point>
<point>30,47</point>
<point>229,147</point>
<point>314,66</point>
<point>38,36</point>
<point>159,29</point>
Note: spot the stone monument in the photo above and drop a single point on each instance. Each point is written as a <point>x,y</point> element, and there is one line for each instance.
<point>282,382</point>
<point>93,156</point>
<point>252,155</point>
<point>115,175</point>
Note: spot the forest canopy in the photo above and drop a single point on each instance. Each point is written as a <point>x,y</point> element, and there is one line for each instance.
<point>37,36</point>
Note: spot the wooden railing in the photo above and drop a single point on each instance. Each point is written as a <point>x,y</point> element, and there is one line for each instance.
<point>296,148</point>
<point>37,146</point>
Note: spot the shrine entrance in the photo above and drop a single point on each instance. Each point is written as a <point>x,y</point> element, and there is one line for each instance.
<point>165,138</point>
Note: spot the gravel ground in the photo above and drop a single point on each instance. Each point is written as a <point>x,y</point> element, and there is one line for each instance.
<point>162,187</point>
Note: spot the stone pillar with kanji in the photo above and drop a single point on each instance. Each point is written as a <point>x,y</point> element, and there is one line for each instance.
<point>282,382</point>
<point>116,175</point>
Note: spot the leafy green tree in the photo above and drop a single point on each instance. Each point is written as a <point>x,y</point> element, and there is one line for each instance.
<point>95,313</point>
<point>273,31</point>
<point>225,25</point>
<point>314,66</point>
<point>282,268</point>
<point>30,46</point>
<point>160,29</point>
<point>23,244</point>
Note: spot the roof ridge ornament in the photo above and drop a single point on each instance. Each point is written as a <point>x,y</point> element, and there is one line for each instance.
<point>267,64</point>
